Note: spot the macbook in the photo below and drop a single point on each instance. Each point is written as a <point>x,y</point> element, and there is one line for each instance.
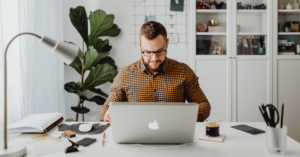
<point>153,122</point>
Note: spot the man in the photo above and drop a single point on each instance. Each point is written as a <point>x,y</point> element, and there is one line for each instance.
<point>156,78</point>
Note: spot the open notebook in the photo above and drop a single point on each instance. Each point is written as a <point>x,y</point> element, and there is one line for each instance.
<point>36,123</point>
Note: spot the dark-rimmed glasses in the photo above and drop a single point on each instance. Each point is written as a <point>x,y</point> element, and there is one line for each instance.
<point>150,53</point>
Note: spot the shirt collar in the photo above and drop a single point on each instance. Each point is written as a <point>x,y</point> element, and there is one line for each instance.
<point>164,65</point>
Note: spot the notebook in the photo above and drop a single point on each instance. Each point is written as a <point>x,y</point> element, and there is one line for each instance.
<point>213,139</point>
<point>36,123</point>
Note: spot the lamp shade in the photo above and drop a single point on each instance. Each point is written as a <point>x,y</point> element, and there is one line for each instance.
<point>65,51</point>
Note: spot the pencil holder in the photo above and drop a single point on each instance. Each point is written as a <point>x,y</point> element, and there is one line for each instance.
<point>276,139</point>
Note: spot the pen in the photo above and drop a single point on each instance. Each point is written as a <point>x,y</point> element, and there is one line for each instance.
<point>103,139</point>
<point>282,108</point>
<point>263,115</point>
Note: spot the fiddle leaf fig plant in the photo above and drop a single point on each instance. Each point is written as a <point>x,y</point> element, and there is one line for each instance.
<point>95,59</point>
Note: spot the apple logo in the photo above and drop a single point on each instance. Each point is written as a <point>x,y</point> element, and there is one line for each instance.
<point>153,125</point>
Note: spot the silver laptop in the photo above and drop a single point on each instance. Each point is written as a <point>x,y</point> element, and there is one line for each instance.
<point>153,122</point>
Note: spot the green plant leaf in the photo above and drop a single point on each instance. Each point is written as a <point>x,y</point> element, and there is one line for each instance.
<point>97,99</point>
<point>80,54</point>
<point>112,31</point>
<point>73,87</point>
<point>81,110</point>
<point>69,120</point>
<point>79,20</point>
<point>92,58</point>
<point>110,61</point>
<point>102,73</point>
<point>99,22</point>
<point>77,64</point>
<point>106,48</point>
<point>99,91</point>
<point>99,44</point>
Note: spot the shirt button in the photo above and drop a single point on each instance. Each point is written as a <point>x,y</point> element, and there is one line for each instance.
<point>154,76</point>
<point>154,90</point>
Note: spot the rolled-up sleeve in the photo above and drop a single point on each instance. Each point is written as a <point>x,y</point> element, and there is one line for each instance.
<point>117,93</point>
<point>193,93</point>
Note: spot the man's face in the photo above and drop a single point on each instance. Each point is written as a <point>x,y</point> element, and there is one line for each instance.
<point>159,43</point>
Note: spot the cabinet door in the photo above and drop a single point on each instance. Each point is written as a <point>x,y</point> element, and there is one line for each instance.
<point>288,91</point>
<point>251,87</point>
<point>214,81</point>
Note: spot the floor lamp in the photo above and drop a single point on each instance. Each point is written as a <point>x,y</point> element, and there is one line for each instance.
<point>66,52</point>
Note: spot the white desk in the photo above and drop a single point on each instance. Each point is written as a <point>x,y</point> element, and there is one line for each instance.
<point>236,143</point>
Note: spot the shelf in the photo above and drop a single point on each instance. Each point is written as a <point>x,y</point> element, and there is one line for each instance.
<point>211,11</point>
<point>251,33</point>
<point>211,33</point>
<point>288,33</point>
<point>252,11</point>
<point>284,11</point>
<point>288,57</point>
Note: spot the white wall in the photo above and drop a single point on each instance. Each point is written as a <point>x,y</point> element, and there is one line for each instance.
<point>123,51</point>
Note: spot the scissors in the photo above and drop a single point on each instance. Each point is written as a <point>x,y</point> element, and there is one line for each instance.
<point>272,110</point>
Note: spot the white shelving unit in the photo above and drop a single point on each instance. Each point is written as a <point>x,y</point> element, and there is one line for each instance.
<point>286,70</point>
<point>289,33</point>
<point>251,33</point>
<point>231,81</point>
<point>211,33</point>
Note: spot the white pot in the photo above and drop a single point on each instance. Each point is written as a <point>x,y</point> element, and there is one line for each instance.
<point>289,6</point>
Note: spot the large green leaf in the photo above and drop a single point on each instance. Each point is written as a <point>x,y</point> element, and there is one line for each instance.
<point>99,44</point>
<point>100,22</point>
<point>92,58</point>
<point>79,20</point>
<point>99,91</point>
<point>81,110</point>
<point>112,31</point>
<point>80,54</point>
<point>102,73</point>
<point>97,99</point>
<point>106,48</point>
<point>73,87</point>
<point>110,61</point>
<point>77,64</point>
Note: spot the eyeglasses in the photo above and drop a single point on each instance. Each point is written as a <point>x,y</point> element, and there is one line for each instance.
<point>150,53</point>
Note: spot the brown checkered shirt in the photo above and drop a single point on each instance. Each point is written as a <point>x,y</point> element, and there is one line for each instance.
<point>176,82</point>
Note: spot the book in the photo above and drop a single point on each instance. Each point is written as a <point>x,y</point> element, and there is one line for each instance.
<point>213,139</point>
<point>36,123</point>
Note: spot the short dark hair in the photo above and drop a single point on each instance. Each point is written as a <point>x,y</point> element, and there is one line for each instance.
<point>152,29</point>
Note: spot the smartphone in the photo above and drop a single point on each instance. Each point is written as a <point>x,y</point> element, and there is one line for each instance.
<point>248,129</point>
<point>86,141</point>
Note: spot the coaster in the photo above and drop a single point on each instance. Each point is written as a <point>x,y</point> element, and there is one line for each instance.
<point>213,139</point>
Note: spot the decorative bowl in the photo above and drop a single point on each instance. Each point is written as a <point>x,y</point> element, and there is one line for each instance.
<point>213,22</point>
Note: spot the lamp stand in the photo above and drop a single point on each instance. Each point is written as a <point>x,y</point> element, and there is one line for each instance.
<point>66,52</point>
<point>13,149</point>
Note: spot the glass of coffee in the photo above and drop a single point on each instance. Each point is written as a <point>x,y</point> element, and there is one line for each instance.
<point>212,127</point>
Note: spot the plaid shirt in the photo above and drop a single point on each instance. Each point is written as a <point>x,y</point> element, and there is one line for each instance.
<point>175,82</point>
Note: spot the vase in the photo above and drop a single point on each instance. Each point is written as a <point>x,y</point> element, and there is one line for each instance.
<point>280,5</point>
<point>295,5</point>
<point>289,6</point>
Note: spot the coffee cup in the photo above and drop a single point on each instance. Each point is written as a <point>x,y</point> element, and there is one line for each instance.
<point>212,127</point>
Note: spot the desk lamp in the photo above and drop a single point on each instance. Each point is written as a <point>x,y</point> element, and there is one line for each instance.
<point>66,52</point>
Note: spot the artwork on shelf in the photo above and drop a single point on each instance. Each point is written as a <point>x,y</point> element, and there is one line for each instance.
<point>216,47</point>
<point>210,47</point>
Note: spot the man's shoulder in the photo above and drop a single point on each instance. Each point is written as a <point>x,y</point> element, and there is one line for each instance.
<point>135,66</point>
<point>176,65</point>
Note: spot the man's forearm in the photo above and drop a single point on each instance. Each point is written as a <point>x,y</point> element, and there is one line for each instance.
<point>204,111</point>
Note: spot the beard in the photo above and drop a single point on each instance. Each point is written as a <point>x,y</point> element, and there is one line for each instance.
<point>152,69</point>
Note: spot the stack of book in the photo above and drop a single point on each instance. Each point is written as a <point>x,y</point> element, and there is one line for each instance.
<point>286,47</point>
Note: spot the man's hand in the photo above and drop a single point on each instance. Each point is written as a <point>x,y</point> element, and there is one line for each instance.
<point>107,116</point>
